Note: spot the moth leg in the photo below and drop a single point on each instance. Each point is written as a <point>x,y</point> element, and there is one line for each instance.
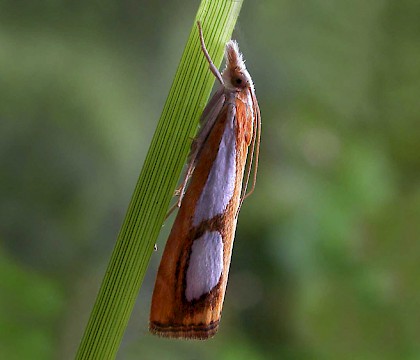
<point>255,147</point>
<point>248,169</point>
<point>180,191</point>
<point>213,68</point>
<point>177,191</point>
<point>258,142</point>
<point>192,157</point>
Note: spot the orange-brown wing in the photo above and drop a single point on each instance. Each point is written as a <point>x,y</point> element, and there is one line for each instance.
<point>191,282</point>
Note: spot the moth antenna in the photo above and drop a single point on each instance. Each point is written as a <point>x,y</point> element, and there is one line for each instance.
<point>212,67</point>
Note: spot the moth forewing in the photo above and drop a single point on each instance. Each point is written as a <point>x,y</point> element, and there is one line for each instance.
<point>192,277</point>
<point>207,120</point>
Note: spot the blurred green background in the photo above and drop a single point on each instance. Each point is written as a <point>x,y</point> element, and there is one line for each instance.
<point>326,258</point>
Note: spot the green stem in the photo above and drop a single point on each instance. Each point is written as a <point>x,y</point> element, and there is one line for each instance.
<point>155,186</point>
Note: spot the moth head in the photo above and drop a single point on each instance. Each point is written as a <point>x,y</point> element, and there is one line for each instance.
<point>235,75</point>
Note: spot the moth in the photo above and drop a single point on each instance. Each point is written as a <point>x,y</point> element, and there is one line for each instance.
<point>192,277</point>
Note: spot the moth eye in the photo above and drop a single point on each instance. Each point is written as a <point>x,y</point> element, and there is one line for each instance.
<point>238,81</point>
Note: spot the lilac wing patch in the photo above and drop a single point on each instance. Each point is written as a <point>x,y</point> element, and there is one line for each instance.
<point>220,184</point>
<point>205,266</point>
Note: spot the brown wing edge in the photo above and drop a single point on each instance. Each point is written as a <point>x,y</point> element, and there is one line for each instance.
<point>182,331</point>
